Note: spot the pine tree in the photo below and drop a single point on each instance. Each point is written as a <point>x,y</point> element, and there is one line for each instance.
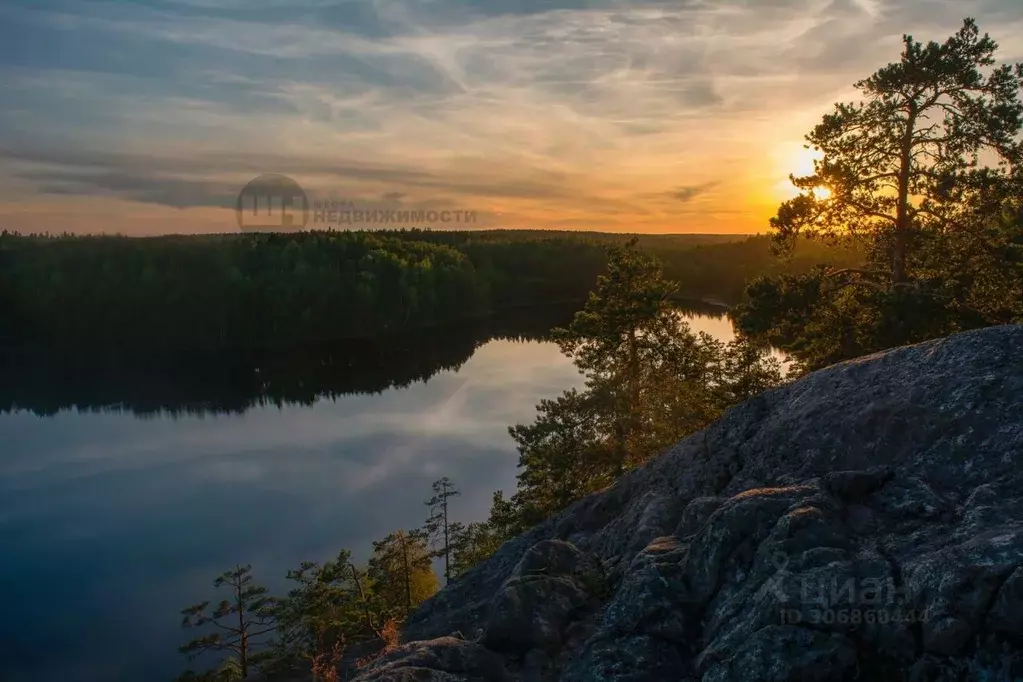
<point>401,573</point>
<point>472,543</point>
<point>906,160</point>
<point>321,614</point>
<point>615,336</point>
<point>437,525</point>
<point>239,624</point>
<point>925,173</point>
<point>650,381</point>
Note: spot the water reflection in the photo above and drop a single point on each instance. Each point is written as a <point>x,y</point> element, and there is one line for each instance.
<point>203,383</point>
<point>219,383</point>
<point>110,523</point>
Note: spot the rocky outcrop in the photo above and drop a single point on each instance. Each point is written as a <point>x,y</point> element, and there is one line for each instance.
<point>865,522</point>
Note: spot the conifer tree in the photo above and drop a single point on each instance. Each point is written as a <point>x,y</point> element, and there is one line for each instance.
<point>238,625</point>
<point>437,526</point>
<point>925,173</point>
<point>401,573</point>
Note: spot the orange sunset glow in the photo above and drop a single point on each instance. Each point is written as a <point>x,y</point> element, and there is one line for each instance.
<point>647,117</point>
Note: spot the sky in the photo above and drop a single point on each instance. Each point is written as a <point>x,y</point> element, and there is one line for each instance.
<point>676,116</point>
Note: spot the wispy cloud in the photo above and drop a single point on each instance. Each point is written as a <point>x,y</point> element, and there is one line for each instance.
<point>642,115</point>
<point>687,194</point>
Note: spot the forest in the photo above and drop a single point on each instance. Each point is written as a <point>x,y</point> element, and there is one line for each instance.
<point>186,293</point>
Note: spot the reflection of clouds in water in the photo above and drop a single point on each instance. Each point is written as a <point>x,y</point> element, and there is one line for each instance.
<point>292,472</point>
<point>237,472</point>
<point>137,503</point>
<point>498,386</point>
<point>446,409</point>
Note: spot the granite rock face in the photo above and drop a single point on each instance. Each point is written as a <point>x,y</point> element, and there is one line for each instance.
<point>865,522</point>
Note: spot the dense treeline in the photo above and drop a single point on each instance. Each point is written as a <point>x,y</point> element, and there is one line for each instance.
<point>722,272</point>
<point>712,267</point>
<point>257,290</point>
<point>460,238</point>
<point>246,290</point>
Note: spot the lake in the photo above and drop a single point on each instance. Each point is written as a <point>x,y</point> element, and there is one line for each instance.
<point>128,484</point>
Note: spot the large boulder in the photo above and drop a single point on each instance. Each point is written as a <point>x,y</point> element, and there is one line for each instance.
<point>552,586</point>
<point>864,522</point>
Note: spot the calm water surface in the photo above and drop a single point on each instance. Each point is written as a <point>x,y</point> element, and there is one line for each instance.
<point>116,512</point>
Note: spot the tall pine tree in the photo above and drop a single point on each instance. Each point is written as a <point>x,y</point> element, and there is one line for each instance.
<point>437,526</point>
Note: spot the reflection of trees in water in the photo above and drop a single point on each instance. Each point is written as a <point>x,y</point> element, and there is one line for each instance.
<point>223,383</point>
<point>205,383</point>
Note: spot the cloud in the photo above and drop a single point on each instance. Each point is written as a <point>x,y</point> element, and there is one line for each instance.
<point>553,112</point>
<point>161,190</point>
<point>690,192</point>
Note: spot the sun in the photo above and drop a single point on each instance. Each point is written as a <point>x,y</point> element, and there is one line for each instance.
<point>803,159</point>
<point>798,161</point>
